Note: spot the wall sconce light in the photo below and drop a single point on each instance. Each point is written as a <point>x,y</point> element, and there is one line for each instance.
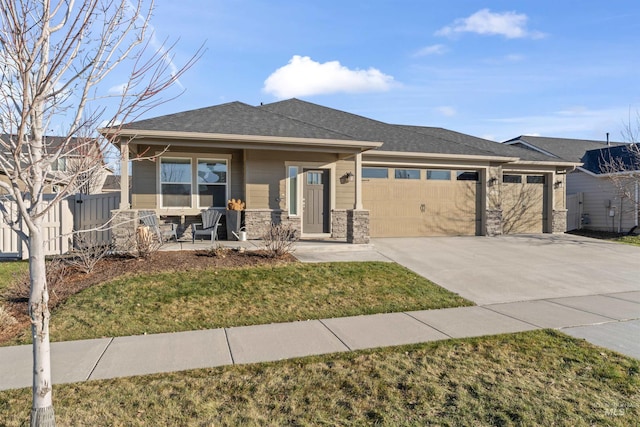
<point>347,177</point>
<point>492,181</point>
<point>557,184</point>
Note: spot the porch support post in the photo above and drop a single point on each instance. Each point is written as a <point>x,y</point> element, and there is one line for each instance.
<point>358,189</point>
<point>124,176</point>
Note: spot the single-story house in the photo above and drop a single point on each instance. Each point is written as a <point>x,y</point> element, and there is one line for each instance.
<point>598,197</point>
<point>338,175</point>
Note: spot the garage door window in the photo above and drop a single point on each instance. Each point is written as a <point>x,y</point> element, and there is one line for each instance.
<point>467,175</point>
<point>512,179</point>
<point>535,179</point>
<point>375,173</point>
<point>407,174</point>
<point>439,175</point>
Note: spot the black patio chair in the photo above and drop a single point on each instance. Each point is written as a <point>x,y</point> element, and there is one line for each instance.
<point>208,227</point>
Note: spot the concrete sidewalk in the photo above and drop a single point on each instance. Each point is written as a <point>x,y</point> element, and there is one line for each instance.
<point>75,361</point>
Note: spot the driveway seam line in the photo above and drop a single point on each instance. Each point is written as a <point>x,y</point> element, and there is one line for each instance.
<point>583,310</point>
<point>226,337</point>
<point>512,317</point>
<point>335,335</point>
<point>426,324</point>
<point>95,365</point>
<point>619,298</point>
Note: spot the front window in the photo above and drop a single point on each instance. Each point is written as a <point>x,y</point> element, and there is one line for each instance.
<point>212,183</point>
<point>175,182</point>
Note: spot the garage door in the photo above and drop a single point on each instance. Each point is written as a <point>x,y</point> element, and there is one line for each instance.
<point>421,202</point>
<point>524,205</point>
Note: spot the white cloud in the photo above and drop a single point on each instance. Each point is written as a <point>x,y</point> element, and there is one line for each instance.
<point>118,89</point>
<point>302,76</point>
<point>447,111</point>
<point>435,49</point>
<point>511,25</point>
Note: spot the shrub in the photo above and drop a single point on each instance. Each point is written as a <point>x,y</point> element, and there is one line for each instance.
<point>280,240</point>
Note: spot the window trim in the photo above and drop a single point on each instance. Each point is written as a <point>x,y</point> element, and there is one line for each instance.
<point>438,179</point>
<point>226,184</point>
<point>407,177</point>
<point>290,168</point>
<point>193,159</point>
<point>160,182</point>
<point>512,176</point>
<point>374,177</point>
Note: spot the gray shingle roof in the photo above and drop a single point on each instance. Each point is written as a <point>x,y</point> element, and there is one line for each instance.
<point>483,144</point>
<point>394,138</point>
<point>563,148</point>
<point>236,118</point>
<point>620,158</point>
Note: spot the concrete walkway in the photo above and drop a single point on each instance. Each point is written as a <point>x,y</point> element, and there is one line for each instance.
<point>84,360</point>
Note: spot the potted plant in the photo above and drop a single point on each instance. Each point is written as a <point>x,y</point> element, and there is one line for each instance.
<point>234,218</point>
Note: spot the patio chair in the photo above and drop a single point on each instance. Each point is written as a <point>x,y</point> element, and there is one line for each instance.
<point>164,232</point>
<point>208,227</point>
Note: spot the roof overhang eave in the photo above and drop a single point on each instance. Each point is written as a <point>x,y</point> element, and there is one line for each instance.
<point>561,164</point>
<point>440,156</point>
<point>164,137</point>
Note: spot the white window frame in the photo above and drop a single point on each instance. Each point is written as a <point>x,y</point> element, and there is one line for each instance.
<point>288,193</point>
<point>160,182</point>
<point>193,159</point>
<point>226,184</point>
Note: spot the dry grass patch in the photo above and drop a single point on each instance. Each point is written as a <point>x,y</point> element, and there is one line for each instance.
<point>532,378</point>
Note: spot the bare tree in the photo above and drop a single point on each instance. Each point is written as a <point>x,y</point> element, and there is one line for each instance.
<point>54,59</point>
<point>621,165</point>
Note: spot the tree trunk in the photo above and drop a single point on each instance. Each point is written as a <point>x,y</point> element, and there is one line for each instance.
<point>42,411</point>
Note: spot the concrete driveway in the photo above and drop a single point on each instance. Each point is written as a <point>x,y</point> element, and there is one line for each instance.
<point>491,270</point>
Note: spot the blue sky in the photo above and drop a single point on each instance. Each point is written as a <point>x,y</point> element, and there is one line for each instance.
<point>494,69</point>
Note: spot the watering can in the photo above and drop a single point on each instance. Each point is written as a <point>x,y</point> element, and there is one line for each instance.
<point>241,235</point>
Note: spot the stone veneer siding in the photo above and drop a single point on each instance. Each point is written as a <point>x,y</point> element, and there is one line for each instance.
<point>357,226</point>
<point>494,222</point>
<point>258,221</point>
<point>559,224</point>
<point>339,223</point>
<point>123,231</point>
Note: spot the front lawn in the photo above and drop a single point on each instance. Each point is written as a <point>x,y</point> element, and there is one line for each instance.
<point>534,378</point>
<point>191,300</point>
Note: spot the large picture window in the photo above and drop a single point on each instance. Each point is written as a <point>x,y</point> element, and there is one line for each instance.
<point>175,182</point>
<point>212,183</point>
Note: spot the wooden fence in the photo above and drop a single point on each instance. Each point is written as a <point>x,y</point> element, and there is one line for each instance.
<point>88,214</point>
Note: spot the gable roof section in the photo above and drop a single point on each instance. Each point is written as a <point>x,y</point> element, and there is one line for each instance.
<point>608,160</point>
<point>480,143</point>
<point>235,118</point>
<point>394,138</point>
<point>568,149</point>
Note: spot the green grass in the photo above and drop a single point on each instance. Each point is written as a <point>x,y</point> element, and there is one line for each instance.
<point>630,240</point>
<point>9,271</point>
<point>181,301</point>
<point>531,378</point>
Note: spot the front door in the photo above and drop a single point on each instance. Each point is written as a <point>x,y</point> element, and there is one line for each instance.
<point>315,210</point>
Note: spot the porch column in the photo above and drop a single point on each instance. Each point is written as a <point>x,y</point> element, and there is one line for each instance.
<point>124,176</point>
<point>358,189</point>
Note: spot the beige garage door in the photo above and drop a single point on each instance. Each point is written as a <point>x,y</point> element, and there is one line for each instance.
<point>524,204</point>
<point>421,202</point>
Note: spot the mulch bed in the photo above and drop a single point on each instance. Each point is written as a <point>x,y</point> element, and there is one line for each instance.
<point>110,268</point>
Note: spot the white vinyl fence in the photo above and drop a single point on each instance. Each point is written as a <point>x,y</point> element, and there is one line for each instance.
<point>74,213</point>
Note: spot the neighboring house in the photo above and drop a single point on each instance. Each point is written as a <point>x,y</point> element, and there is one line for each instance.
<point>74,161</point>
<point>594,197</point>
<point>330,173</point>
